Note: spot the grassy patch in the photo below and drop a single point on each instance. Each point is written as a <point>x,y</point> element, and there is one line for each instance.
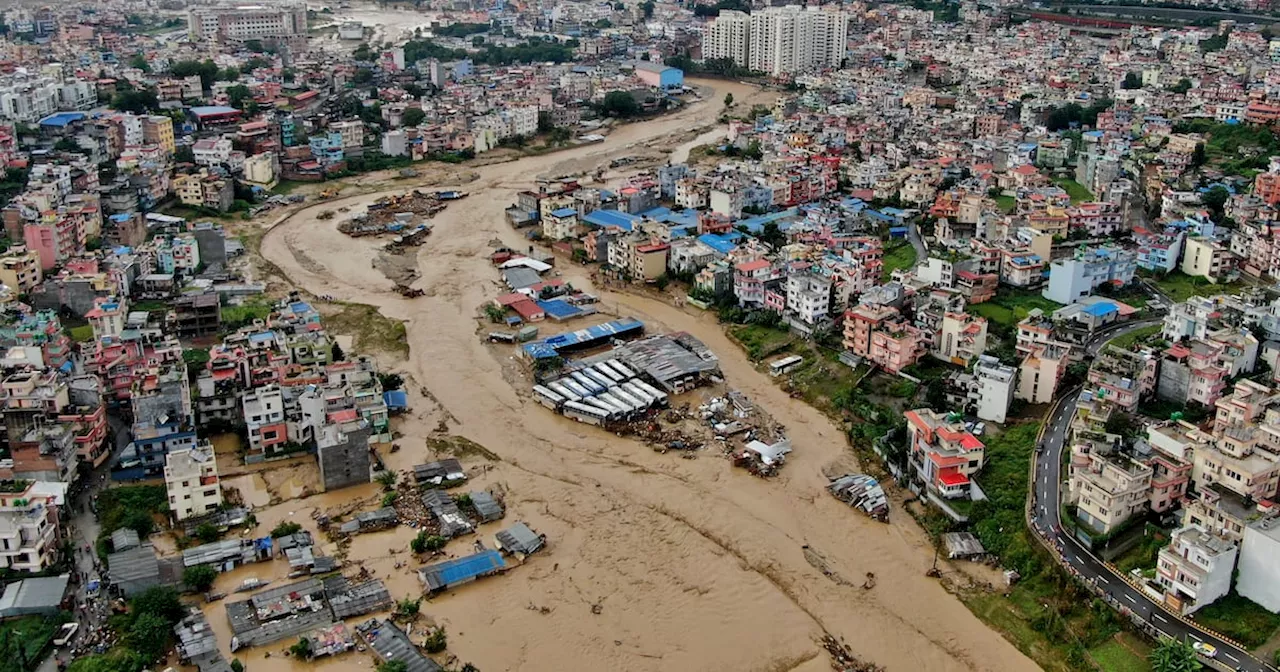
<point>1143,554</point>
<point>1074,189</point>
<point>1179,286</point>
<point>1005,615</point>
<point>1128,340</point>
<point>286,187</point>
<point>1240,619</point>
<point>150,306</point>
<point>903,256</point>
<point>81,334</point>
<point>234,317</point>
<point>1006,203</point>
<point>1117,656</point>
<point>1011,306</point>
<point>760,341</point>
<point>33,634</point>
<point>372,331</point>
<point>131,506</point>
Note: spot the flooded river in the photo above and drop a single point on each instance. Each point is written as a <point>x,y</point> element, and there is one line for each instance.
<point>694,565</point>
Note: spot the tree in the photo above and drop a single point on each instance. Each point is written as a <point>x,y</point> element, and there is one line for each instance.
<point>337,353</point>
<point>302,649</point>
<point>161,601</point>
<point>118,659</point>
<point>407,609</point>
<point>139,521</point>
<point>207,533</point>
<point>1216,199</point>
<point>254,45</point>
<point>363,76</point>
<point>139,61</point>
<point>393,666</point>
<point>390,381</point>
<point>199,577</point>
<point>436,641</point>
<point>647,8</point>
<point>149,635</point>
<point>1131,81</point>
<point>184,154</point>
<point>728,100</point>
<point>620,104</point>
<point>285,529</point>
<point>427,542</point>
<point>140,101</point>
<point>206,69</point>
<point>230,74</point>
<point>387,480</point>
<point>414,116</point>
<point>773,236</point>
<point>1183,86</point>
<point>1198,156</point>
<point>236,665</point>
<point>1172,655</point>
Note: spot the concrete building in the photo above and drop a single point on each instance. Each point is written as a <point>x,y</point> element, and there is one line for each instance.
<point>263,410</point>
<point>191,479</point>
<point>728,37</point>
<point>343,453</point>
<point>1209,258</point>
<point>1259,573</point>
<point>250,22</point>
<point>1195,569</point>
<point>20,269</point>
<point>962,338</point>
<point>29,519</point>
<point>1108,490</point>
<point>1078,276</point>
<point>995,388</point>
<point>942,455</point>
<point>1040,372</point>
<point>791,39</point>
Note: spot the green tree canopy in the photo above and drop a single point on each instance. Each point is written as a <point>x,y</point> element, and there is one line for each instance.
<point>620,104</point>
<point>413,116</point>
<point>206,69</point>
<point>1171,655</point>
<point>199,577</point>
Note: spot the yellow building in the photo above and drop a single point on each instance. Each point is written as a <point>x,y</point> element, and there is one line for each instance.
<point>1207,258</point>
<point>158,130</point>
<point>20,269</point>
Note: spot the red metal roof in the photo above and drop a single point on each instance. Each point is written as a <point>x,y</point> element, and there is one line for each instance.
<point>953,478</point>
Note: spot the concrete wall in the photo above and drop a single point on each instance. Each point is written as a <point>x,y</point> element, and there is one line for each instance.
<point>345,464</point>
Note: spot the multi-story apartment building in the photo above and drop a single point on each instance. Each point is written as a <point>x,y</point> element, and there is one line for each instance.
<point>728,36</point>
<point>191,479</point>
<point>789,40</point>
<point>29,517</point>
<point>962,338</point>
<point>1040,372</point>
<point>1158,251</point>
<point>1195,569</point>
<point>808,297</point>
<point>1232,461</point>
<point>251,22</point>
<point>995,385</point>
<point>1258,577</point>
<point>264,416</point>
<point>749,279</point>
<point>1078,276</point>
<point>943,455</point>
<point>1209,258</point>
<point>20,269</point>
<point>1108,488</point>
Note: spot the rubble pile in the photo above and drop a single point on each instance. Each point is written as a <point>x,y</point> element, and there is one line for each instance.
<point>843,660</point>
<point>393,214</point>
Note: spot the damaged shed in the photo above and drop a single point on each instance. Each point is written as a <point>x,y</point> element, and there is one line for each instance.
<point>519,538</point>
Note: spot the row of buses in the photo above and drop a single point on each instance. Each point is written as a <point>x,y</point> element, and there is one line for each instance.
<point>599,393</point>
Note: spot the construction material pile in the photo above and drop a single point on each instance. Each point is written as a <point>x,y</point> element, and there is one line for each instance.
<point>393,214</point>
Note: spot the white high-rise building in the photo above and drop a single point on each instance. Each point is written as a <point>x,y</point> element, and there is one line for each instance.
<point>779,40</point>
<point>792,39</point>
<point>727,37</point>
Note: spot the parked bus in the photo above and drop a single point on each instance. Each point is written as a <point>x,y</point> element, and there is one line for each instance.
<point>623,406</point>
<point>638,403</point>
<point>586,382</point>
<point>605,404</point>
<point>621,368</point>
<point>599,378</point>
<point>584,413</point>
<point>653,391</point>
<point>785,364</point>
<point>563,390</point>
<point>574,387</point>
<point>639,393</point>
<point>547,398</point>
<point>607,371</point>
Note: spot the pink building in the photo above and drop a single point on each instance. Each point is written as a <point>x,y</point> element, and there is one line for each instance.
<point>895,346</point>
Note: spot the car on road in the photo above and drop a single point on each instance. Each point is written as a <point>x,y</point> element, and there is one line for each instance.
<point>65,634</point>
<point>1206,650</point>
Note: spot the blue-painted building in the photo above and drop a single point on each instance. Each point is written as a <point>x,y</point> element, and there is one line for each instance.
<point>663,77</point>
<point>327,149</point>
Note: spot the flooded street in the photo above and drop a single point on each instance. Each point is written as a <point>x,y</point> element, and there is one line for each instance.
<point>694,565</point>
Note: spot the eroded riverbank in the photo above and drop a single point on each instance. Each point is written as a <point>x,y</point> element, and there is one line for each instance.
<point>695,566</point>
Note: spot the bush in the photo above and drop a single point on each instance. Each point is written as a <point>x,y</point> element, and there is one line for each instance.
<point>390,498</point>
<point>200,577</point>
<point>436,641</point>
<point>425,541</point>
<point>407,609</point>
<point>236,665</point>
<point>285,529</point>
<point>207,533</point>
<point>302,649</point>
<point>387,480</point>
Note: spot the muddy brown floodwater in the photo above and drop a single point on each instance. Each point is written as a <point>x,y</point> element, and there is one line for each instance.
<point>696,566</point>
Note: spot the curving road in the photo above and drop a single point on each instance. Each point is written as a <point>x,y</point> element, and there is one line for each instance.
<point>1046,516</point>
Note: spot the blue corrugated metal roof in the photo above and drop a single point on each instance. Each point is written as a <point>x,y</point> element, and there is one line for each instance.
<point>718,242</point>
<point>468,568</point>
<point>61,119</point>
<point>756,224</point>
<point>395,399</point>
<point>558,308</point>
<point>551,346</point>
<point>1101,308</point>
<point>564,212</point>
<point>205,110</point>
<point>602,218</point>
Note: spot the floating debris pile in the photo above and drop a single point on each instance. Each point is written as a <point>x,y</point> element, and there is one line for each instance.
<point>861,492</point>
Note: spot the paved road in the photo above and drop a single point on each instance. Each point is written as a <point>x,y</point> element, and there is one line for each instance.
<point>1047,518</point>
<point>913,235</point>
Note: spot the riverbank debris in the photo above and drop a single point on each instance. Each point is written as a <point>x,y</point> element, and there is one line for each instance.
<point>843,660</point>
<point>862,492</point>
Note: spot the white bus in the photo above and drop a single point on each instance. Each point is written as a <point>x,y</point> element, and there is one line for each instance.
<point>638,403</point>
<point>547,397</point>
<point>563,390</point>
<point>785,364</point>
<point>622,405</point>
<point>586,382</point>
<point>599,378</point>
<point>608,372</point>
<point>584,413</point>
<point>574,387</point>
<point>621,368</point>
<point>605,404</point>
<point>639,393</point>
<point>653,391</point>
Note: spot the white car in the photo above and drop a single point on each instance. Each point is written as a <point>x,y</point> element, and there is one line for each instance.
<point>979,428</point>
<point>1206,650</point>
<point>66,633</point>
